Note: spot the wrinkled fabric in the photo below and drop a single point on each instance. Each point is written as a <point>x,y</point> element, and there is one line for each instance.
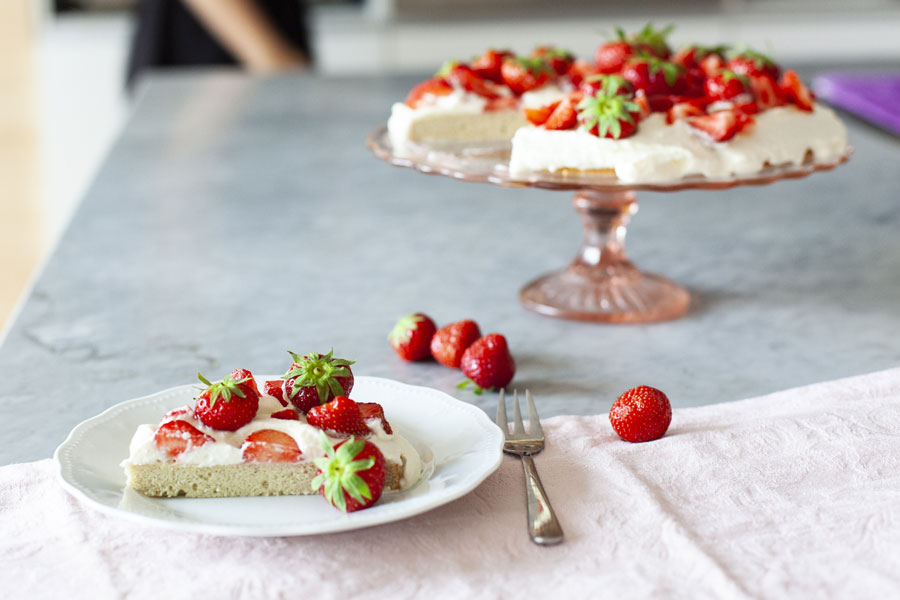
<point>791,495</point>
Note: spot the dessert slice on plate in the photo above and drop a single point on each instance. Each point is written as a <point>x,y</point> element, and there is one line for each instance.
<point>238,441</point>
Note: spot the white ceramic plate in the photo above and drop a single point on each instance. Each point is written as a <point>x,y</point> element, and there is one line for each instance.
<point>459,445</point>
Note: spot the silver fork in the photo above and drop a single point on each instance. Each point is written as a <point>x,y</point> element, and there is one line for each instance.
<point>543,525</point>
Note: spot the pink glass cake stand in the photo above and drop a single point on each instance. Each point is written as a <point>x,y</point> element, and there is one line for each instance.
<point>601,284</point>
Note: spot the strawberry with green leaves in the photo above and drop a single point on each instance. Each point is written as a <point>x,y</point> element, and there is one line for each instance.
<point>351,476</point>
<point>726,84</point>
<point>488,364</point>
<point>340,417</point>
<point>611,112</point>
<point>612,56</point>
<point>229,404</point>
<point>558,59</point>
<point>525,74</point>
<point>749,62</point>
<point>411,336</point>
<point>314,379</point>
<point>654,75</point>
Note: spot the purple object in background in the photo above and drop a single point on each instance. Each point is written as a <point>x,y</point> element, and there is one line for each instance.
<point>874,97</point>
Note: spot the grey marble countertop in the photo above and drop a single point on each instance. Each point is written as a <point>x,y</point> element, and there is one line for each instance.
<point>236,218</point>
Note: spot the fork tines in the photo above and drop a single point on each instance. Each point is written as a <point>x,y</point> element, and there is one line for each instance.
<point>534,423</point>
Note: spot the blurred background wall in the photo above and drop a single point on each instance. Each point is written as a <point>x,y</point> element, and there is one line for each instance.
<point>62,64</point>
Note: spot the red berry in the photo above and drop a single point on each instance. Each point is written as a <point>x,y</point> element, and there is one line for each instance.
<point>288,414</point>
<point>611,57</point>
<point>373,410</point>
<point>176,437</point>
<point>450,341</point>
<point>276,390</point>
<point>488,64</point>
<point>725,85</point>
<point>752,63</point>
<point>641,414</point>
<point>721,125</point>
<point>430,87</point>
<point>315,379</point>
<point>539,116</point>
<point>464,77</point>
<point>270,445</point>
<point>341,416</point>
<point>525,74</point>
<point>796,92</point>
<point>411,336</point>
<point>766,91</point>
<point>683,110</point>
<point>351,474</point>
<point>557,59</point>
<point>564,116</point>
<point>488,363</point>
<point>229,404</point>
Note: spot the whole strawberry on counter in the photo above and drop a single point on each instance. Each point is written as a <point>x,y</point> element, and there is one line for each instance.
<point>351,474</point>
<point>314,379</point>
<point>411,336</point>
<point>641,414</point>
<point>229,404</point>
<point>450,342</point>
<point>488,364</point>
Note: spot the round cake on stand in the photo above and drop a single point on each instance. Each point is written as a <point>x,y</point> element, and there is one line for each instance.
<point>600,284</point>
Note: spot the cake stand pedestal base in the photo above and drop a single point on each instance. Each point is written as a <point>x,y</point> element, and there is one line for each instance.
<point>601,284</point>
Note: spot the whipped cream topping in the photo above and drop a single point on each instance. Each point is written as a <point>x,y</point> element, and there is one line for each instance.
<point>663,152</point>
<point>227,447</point>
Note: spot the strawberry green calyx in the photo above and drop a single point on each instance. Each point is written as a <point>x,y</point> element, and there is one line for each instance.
<point>448,66</point>
<point>608,108</point>
<point>759,59</point>
<point>403,330</point>
<point>225,389</point>
<point>670,70</point>
<point>318,370</point>
<point>555,52</point>
<point>728,75</point>
<point>535,66</point>
<point>339,472</point>
<point>655,38</point>
<point>477,390</point>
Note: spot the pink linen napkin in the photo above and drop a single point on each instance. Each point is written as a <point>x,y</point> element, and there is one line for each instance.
<point>795,494</point>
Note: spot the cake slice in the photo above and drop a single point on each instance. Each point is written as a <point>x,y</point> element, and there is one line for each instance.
<point>482,101</point>
<point>236,441</point>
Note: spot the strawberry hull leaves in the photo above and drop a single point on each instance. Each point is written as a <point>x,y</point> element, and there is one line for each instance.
<point>229,404</point>
<point>351,474</point>
<point>317,378</point>
<point>609,112</point>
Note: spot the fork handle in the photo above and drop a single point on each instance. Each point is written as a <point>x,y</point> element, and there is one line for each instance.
<point>543,526</point>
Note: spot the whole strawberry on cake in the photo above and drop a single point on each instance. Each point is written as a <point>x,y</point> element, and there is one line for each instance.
<point>301,435</point>
<point>482,100</point>
<point>648,114</point>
